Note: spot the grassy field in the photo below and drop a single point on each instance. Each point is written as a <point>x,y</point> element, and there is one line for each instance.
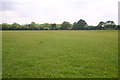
<point>60,54</point>
<point>0,55</point>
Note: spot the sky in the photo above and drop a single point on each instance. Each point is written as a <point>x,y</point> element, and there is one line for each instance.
<point>57,11</point>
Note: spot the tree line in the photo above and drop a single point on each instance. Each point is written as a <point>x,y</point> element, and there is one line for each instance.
<point>79,25</point>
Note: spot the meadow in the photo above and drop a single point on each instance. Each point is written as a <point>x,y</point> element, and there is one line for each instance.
<point>60,54</point>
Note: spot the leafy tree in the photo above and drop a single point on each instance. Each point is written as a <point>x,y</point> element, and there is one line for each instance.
<point>15,26</point>
<point>74,25</point>
<point>32,25</point>
<point>46,26</point>
<point>66,25</point>
<point>37,27</point>
<point>118,27</point>
<point>53,26</point>
<point>80,25</point>
<point>0,26</point>
<point>41,26</point>
<point>100,25</point>
<point>106,25</point>
<point>90,28</point>
<point>5,26</point>
<point>58,26</point>
<point>110,25</point>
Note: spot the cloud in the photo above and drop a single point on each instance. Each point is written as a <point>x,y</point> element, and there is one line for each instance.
<point>7,5</point>
<point>10,17</point>
<point>119,13</point>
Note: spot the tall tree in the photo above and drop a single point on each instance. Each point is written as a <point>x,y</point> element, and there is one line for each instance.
<point>15,26</point>
<point>46,26</point>
<point>100,25</point>
<point>65,25</point>
<point>53,26</point>
<point>5,26</point>
<point>110,25</point>
<point>32,25</point>
<point>81,24</point>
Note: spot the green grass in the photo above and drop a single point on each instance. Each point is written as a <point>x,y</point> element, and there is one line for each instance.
<point>0,55</point>
<point>60,54</point>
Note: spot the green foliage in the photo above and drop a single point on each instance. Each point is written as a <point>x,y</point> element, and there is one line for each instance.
<point>41,27</point>
<point>65,25</point>
<point>80,25</point>
<point>60,54</point>
<point>6,26</point>
<point>109,25</point>
<point>0,26</point>
<point>106,25</point>
<point>46,26</point>
<point>100,25</point>
<point>53,26</point>
<point>32,25</point>
<point>118,27</point>
<point>14,26</point>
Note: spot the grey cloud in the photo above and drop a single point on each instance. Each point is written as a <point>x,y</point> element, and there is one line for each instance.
<point>10,5</point>
<point>119,12</point>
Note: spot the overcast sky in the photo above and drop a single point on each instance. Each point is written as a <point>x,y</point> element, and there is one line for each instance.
<point>57,11</point>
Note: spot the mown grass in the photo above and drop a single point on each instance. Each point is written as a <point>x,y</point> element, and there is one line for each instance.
<point>60,54</point>
<point>0,55</point>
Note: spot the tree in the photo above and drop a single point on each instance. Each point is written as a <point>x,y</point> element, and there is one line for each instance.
<point>46,26</point>
<point>91,28</point>
<point>110,25</point>
<point>5,26</point>
<point>0,26</point>
<point>32,25</point>
<point>58,26</point>
<point>118,27</point>
<point>74,25</point>
<point>65,26</point>
<point>53,26</point>
<point>100,25</point>
<point>41,26</point>
<point>15,26</point>
<point>106,25</point>
<point>80,25</point>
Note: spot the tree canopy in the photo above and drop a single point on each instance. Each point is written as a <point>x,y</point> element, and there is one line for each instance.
<point>79,25</point>
<point>65,25</point>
